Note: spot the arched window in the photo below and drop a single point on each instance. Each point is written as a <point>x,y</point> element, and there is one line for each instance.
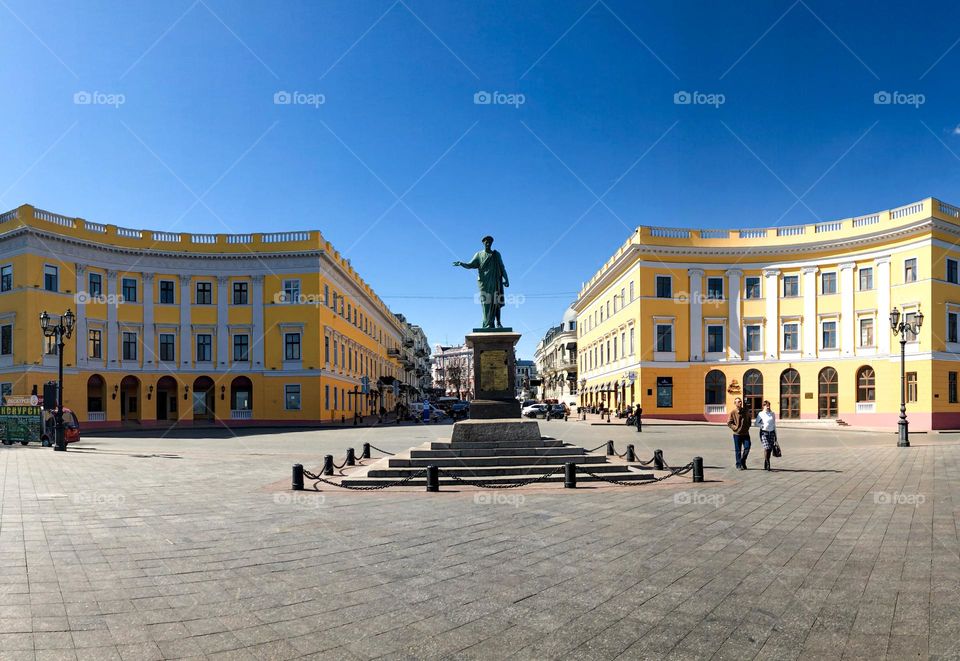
<point>790,394</point>
<point>715,388</point>
<point>753,392</point>
<point>866,384</point>
<point>829,393</point>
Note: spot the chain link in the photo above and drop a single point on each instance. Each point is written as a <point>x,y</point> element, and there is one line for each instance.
<point>374,487</point>
<point>389,454</point>
<point>673,472</point>
<point>490,485</point>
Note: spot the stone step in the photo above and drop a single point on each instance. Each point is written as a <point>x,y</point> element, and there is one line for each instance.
<point>497,452</point>
<point>497,480</point>
<point>492,471</point>
<point>477,445</point>
<point>502,460</point>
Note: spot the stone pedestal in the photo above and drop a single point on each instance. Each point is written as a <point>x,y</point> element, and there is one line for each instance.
<point>495,373</point>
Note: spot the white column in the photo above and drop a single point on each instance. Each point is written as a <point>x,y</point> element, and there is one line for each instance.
<point>881,327</point>
<point>113,347</point>
<point>223,335</point>
<point>771,339</point>
<point>809,285</point>
<point>257,339</point>
<point>733,313</point>
<point>149,348</point>
<point>696,314</point>
<point>81,301</point>
<point>186,332</point>
<point>848,335</point>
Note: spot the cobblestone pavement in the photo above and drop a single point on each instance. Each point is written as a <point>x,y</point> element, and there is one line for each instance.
<point>146,548</point>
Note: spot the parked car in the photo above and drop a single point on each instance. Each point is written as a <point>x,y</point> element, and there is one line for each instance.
<point>460,410</point>
<point>534,410</point>
<point>558,410</point>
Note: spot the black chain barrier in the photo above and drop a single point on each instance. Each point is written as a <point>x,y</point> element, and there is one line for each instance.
<point>492,485</point>
<point>622,483</point>
<point>389,454</point>
<point>597,448</point>
<point>375,487</point>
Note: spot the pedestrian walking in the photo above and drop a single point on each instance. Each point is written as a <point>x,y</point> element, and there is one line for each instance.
<point>739,424</point>
<point>767,422</point>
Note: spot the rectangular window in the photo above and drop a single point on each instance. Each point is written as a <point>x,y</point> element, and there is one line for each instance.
<point>95,285</point>
<point>240,293</point>
<point>752,289</point>
<point>6,340</point>
<point>715,289</point>
<point>952,387</point>
<point>911,386</point>
<point>326,397</point>
<point>791,337</point>
<point>204,347</point>
<point>241,348</point>
<point>632,351</point>
<point>326,295</point>
<point>664,337</point>
<point>166,292</point>
<point>631,291</point>
<point>95,344</point>
<point>866,279</point>
<point>326,350</point>
<point>911,319</point>
<point>291,397</point>
<point>614,354</point>
<point>828,283</point>
<point>866,332</point>
<point>291,346</point>
<point>129,290</point>
<point>828,333</point>
<point>168,343</point>
<point>204,293</point>
<point>51,346</point>
<point>335,357</point>
<point>336,395</point>
<point>664,286</point>
<point>51,278</point>
<point>910,270</point>
<point>129,346</point>
<point>951,327</point>
<point>291,291</point>
<point>753,339</point>
<point>791,285</point>
<point>715,342</point>
<point>952,271</point>
<point>6,277</point>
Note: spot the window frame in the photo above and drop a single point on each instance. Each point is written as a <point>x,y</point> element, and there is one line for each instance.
<point>860,274</point>
<point>241,290</point>
<point>55,275</point>
<point>669,280</point>
<point>172,292</point>
<point>203,289</point>
<point>287,394</point>
<point>128,343</point>
<point>128,285</point>
<point>244,346</point>
<point>823,283</point>
<point>795,281</point>
<point>747,287</point>
<point>163,346</point>
<point>711,293</point>
<point>198,345</point>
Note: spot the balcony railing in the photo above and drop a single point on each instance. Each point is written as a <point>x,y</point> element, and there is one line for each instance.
<point>866,407</point>
<point>393,352</point>
<point>241,414</point>
<point>96,416</point>
<point>716,409</point>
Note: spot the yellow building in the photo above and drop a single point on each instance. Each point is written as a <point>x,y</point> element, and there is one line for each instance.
<point>175,327</point>
<point>682,321</point>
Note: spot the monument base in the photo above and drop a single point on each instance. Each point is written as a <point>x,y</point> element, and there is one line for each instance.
<point>494,409</point>
<point>495,370</point>
<point>494,430</point>
<point>504,329</point>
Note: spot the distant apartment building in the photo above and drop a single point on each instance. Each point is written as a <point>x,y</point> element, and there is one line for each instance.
<point>556,359</point>
<point>453,370</point>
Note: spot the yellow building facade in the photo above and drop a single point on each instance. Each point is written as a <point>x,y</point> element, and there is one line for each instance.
<point>683,321</point>
<point>183,328</point>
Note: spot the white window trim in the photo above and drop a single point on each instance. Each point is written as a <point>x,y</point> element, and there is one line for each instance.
<point>916,274</point>
<point>665,355</point>
<point>954,308</point>
<point>757,353</point>
<point>836,283</point>
<point>760,279</point>
<point>861,349</point>
<point>656,286</point>
<point>946,270</point>
<point>56,270</point>
<point>873,275</point>
<point>196,292</point>
<point>829,352</point>
<point>791,352</point>
<point>300,396</point>
<point>714,355</point>
<point>783,285</point>
<point>160,288</point>
<point>723,288</point>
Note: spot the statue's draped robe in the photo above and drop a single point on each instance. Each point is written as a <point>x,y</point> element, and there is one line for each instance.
<point>490,277</point>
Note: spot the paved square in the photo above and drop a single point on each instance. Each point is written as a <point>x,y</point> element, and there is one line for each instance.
<point>144,548</point>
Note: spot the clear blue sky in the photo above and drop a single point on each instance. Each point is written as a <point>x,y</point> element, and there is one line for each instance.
<point>398,81</point>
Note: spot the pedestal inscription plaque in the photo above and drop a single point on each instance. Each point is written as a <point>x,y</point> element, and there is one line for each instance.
<point>494,364</point>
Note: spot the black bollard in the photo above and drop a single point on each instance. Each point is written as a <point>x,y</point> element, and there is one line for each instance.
<point>351,457</point>
<point>608,415</point>
<point>365,454</point>
<point>640,420</point>
<point>631,455</point>
<point>328,465</point>
<point>698,469</point>
<point>433,479</point>
<point>297,477</point>
<point>658,459</point>
<point>343,419</point>
<point>569,476</point>
<point>610,450</point>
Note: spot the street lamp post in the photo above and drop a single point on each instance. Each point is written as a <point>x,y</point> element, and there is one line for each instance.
<point>62,328</point>
<point>902,327</point>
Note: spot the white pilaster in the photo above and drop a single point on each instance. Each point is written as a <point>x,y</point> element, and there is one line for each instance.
<point>696,314</point>
<point>771,340</point>
<point>186,333</point>
<point>882,284</point>
<point>81,301</point>
<point>733,313</point>
<point>223,335</point>
<point>848,334</point>
<point>809,285</point>
<point>149,348</point>
<point>113,346</point>
<point>257,339</point>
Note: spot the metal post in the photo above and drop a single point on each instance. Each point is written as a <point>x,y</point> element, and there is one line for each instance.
<point>433,479</point>
<point>61,442</point>
<point>610,450</point>
<point>351,457</point>
<point>903,440</point>
<point>631,455</point>
<point>328,465</point>
<point>365,453</point>
<point>608,415</point>
<point>297,477</point>
<point>658,459</point>
<point>639,419</point>
<point>569,476</point>
<point>698,469</point>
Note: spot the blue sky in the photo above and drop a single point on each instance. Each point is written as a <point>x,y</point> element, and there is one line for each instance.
<point>198,143</point>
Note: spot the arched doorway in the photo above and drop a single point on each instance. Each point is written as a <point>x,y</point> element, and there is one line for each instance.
<point>715,389</point>
<point>828,393</point>
<point>241,398</point>
<point>96,398</point>
<point>204,398</point>
<point>866,389</point>
<point>753,393</point>
<point>167,398</point>
<point>790,394</point>
<point>130,399</point>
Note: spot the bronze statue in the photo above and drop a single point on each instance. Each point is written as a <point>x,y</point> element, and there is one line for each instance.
<point>491,278</point>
